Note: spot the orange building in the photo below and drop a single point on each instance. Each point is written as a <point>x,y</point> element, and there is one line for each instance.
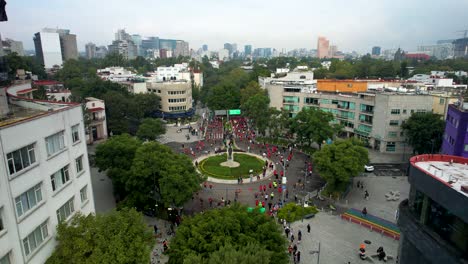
<point>341,86</point>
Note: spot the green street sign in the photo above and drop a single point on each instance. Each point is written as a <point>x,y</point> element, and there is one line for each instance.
<point>234,112</point>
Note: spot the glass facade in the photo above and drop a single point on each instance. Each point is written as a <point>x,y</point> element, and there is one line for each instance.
<point>439,220</point>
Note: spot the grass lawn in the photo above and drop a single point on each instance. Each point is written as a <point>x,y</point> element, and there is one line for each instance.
<point>211,166</point>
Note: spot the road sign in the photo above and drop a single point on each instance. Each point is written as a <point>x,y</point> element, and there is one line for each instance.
<point>220,112</point>
<point>234,111</point>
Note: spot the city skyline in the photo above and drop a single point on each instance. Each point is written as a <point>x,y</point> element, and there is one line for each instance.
<point>391,24</point>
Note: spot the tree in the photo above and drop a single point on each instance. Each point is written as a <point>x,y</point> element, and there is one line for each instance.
<point>252,89</point>
<point>116,157</point>
<point>424,132</point>
<point>160,175</point>
<point>293,212</point>
<point>313,125</point>
<point>113,238</point>
<point>256,108</point>
<point>150,129</point>
<point>339,161</point>
<point>228,235</point>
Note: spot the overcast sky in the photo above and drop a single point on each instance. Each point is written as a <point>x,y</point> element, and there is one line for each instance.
<point>281,24</point>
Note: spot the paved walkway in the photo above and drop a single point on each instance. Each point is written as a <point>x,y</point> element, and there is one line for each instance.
<point>377,203</point>
<point>339,240</point>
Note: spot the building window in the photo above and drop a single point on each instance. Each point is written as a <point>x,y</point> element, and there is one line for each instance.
<point>421,111</point>
<point>55,143</point>
<point>28,200</point>
<point>59,178</point>
<point>395,111</point>
<point>391,146</point>
<point>75,133</point>
<point>441,101</point>
<point>367,108</point>
<point>392,134</point>
<point>412,111</point>
<point>394,122</point>
<point>84,194</point>
<point>177,108</point>
<point>365,118</point>
<point>5,259</point>
<point>79,164</point>
<point>20,159</point>
<point>466,147</point>
<point>35,239</point>
<point>176,100</point>
<point>404,111</point>
<point>66,210</point>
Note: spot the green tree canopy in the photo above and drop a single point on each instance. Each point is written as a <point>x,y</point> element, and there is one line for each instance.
<point>313,125</point>
<point>228,235</point>
<point>116,157</point>
<point>424,132</point>
<point>257,109</point>
<point>159,174</point>
<point>113,238</point>
<point>150,129</point>
<point>339,161</point>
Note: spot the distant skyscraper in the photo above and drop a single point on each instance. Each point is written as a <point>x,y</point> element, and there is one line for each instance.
<point>231,47</point>
<point>460,47</point>
<point>248,50</point>
<point>332,51</point>
<point>205,47</point>
<point>322,47</point>
<point>48,50</point>
<point>137,41</point>
<point>90,50</point>
<point>46,46</point>
<point>376,51</point>
<point>124,45</point>
<point>12,46</point>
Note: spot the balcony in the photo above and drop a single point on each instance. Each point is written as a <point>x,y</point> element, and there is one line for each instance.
<point>97,120</point>
<point>367,112</point>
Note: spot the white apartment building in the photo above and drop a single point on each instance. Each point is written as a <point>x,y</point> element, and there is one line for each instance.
<point>97,127</point>
<point>44,177</point>
<point>48,49</point>
<point>179,72</point>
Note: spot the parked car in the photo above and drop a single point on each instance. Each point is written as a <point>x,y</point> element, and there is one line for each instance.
<point>368,168</point>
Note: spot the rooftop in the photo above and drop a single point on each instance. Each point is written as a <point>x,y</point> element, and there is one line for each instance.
<point>450,170</point>
<point>23,109</point>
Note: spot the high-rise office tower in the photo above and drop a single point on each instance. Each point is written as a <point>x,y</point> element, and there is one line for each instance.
<point>248,50</point>
<point>376,51</point>
<point>53,46</point>
<point>205,47</point>
<point>332,51</point>
<point>90,50</point>
<point>124,45</point>
<point>322,47</point>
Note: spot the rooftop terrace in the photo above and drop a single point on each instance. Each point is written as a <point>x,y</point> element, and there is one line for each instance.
<point>22,108</point>
<point>450,170</point>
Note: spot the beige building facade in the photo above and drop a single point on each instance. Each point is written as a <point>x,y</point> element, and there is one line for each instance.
<point>176,96</point>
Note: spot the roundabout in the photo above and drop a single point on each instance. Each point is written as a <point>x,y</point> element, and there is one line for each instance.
<point>218,168</point>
